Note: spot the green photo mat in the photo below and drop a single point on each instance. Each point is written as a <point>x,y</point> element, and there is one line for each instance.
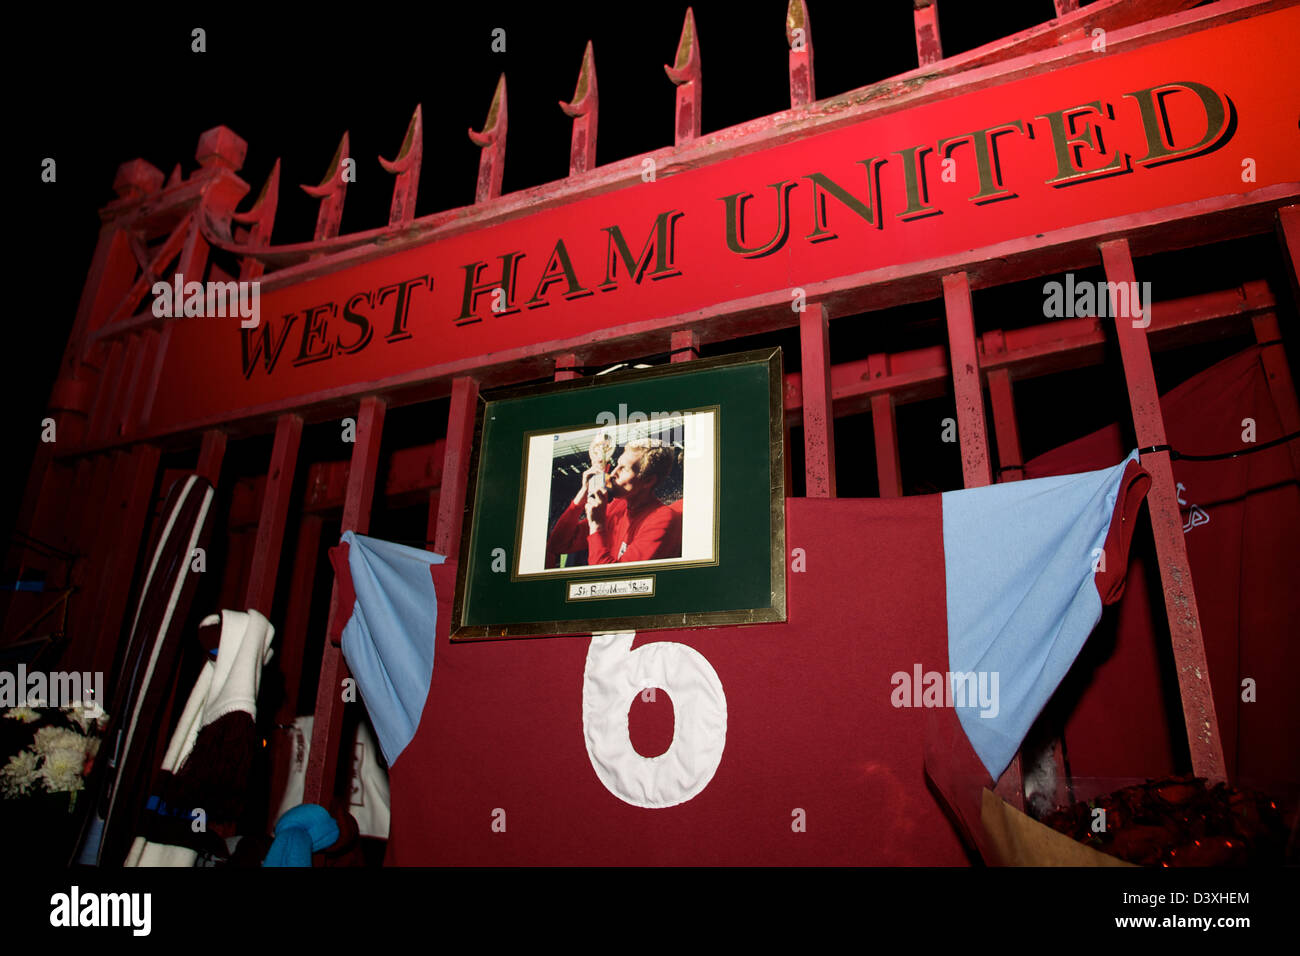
<point>747,582</point>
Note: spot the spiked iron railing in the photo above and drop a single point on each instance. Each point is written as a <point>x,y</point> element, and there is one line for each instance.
<point>252,245</point>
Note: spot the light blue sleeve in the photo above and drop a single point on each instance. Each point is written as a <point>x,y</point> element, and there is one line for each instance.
<point>1019,561</point>
<point>389,640</point>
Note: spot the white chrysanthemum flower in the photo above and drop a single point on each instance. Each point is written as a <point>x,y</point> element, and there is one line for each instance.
<point>25,714</point>
<point>86,716</point>
<point>50,739</point>
<point>19,774</point>
<point>62,770</point>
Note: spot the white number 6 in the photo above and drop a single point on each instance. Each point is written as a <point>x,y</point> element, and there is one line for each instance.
<point>613,676</point>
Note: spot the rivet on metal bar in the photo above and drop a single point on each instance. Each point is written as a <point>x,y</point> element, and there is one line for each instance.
<point>331,192</point>
<point>406,167</point>
<point>685,73</point>
<point>492,140</point>
<point>585,110</point>
<point>260,220</point>
<point>798,33</point>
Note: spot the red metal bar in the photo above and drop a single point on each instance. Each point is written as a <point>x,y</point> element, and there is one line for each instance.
<point>406,167</point>
<point>331,192</point>
<point>884,427</point>
<point>925,15</point>
<point>110,377</point>
<point>798,33</point>
<point>492,140</point>
<point>211,454</point>
<point>322,762</point>
<point>128,515</point>
<point>585,111</point>
<point>685,345</point>
<point>565,367</point>
<point>686,76</point>
<point>964,358</point>
<point>1288,227</point>
<point>1280,384</point>
<point>1005,429</point>
<point>297,614</point>
<point>1065,6</point>
<point>135,408</point>
<point>259,594</point>
<point>154,270</point>
<point>455,467</point>
<point>1167,526</point>
<point>818,423</point>
<point>93,531</point>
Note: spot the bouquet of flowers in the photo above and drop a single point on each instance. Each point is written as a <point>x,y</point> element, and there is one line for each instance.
<point>50,750</point>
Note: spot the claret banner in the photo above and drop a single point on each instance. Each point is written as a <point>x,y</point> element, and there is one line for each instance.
<point>1206,115</point>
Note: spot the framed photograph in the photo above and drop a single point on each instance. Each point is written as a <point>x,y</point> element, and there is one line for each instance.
<point>630,501</point>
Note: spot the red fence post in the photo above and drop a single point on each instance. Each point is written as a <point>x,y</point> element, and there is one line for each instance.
<point>964,357</point>
<point>322,762</point>
<point>925,17</point>
<point>685,345</point>
<point>139,470</point>
<point>260,592</point>
<point>798,33</point>
<point>1280,384</point>
<point>884,427</point>
<point>973,435</point>
<point>818,418</point>
<point>686,76</point>
<point>297,613</point>
<point>1167,526</point>
<point>1288,229</point>
<point>211,453</point>
<point>455,467</point>
<point>492,142</point>
<point>1005,430</point>
<point>566,367</point>
<point>585,112</point>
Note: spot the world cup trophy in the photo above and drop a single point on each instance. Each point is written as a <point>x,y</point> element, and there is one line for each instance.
<point>602,457</point>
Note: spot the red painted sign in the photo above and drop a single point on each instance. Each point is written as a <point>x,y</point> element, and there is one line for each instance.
<point>1196,117</point>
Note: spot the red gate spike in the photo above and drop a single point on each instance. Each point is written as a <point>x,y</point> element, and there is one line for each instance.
<point>407,169</point>
<point>798,33</point>
<point>585,110</point>
<point>925,13</point>
<point>175,178</point>
<point>1065,6</point>
<point>685,72</point>
<point>135,180</point>
<point>330,192</point>
<point>260,220</point>
<point>492,140</point>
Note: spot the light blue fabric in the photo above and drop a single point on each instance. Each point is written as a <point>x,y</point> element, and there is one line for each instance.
<point>1019,561</point>
<point>301,831</point>
<point>388,642</point>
